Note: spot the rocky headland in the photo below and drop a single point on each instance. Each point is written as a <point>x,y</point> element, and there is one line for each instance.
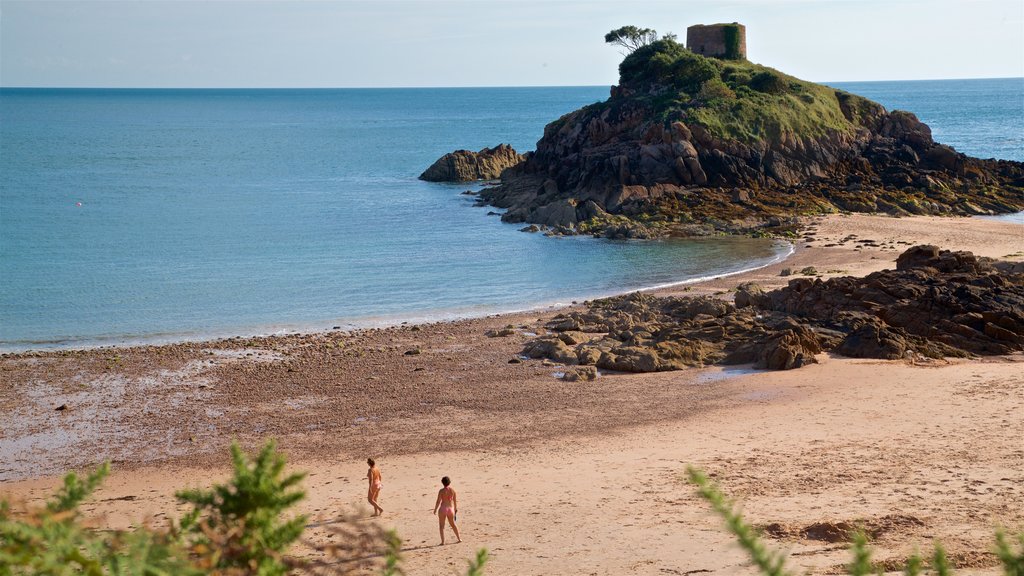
<point>688,144</point>
<point>934,304</point>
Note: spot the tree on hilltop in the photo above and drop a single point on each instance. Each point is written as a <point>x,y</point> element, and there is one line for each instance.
<point>631,38</point>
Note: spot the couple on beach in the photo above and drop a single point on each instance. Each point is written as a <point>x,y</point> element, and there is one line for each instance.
<point>446,507</point>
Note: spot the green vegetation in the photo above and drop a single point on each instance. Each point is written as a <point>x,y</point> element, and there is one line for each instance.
<point>772,562</point>
<point>734,98</point>
<point>732,41</point>
<point>53,540</point>
<point>240,528</point>
<point>630,37</point>
<point>244,516</point>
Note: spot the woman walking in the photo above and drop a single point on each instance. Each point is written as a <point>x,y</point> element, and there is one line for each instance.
<point>447,506</point>
<point>373,476</point>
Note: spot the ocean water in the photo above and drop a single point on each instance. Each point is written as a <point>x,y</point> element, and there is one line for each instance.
<point>982,118</point>
<point>132,215</point>
<point>160,215</point>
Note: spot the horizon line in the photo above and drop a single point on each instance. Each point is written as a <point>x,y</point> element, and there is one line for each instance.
<point>826,82</point>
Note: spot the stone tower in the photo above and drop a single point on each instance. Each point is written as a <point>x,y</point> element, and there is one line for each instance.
<point>726,41</point>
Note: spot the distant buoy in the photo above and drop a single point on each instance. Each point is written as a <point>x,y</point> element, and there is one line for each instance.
<point>79,204</point>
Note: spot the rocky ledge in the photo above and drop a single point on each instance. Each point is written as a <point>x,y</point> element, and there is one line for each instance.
<point>692,145</point>
<point>466,166</point>
<point>934,304</point>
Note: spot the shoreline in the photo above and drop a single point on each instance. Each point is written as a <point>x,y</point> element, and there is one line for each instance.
<point>378,322</point>
<point>399,319</point>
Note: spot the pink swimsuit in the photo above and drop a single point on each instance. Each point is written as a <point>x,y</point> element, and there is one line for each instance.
<point>446,503</point>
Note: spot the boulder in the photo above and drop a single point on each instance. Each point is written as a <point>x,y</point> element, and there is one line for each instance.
<point>874,340</point>
<point>580,374</point>
<point>631,359</point>
<point>558,213</point>
<point>747,294</point>
<point>791,347</point>
<point>466,166</point>
<point>551,348</point>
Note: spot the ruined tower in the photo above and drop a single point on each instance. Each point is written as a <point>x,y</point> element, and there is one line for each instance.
<point>726,41</point>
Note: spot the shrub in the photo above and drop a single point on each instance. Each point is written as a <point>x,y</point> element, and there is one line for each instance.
<point>690,71</point>
<point>52,540</point>
<point>668,63</point>
<point>769,82</point>
<point>715,88</point>
<point>648,62</point>
<point>240,523</point>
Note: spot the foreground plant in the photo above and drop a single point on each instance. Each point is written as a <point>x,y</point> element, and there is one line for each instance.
<point>242,527</point>
<point>52,539</point>
<point>1012,560</point>
<point>239,525</point>
<point>772,563</point>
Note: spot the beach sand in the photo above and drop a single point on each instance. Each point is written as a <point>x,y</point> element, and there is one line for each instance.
<point>556,477</point>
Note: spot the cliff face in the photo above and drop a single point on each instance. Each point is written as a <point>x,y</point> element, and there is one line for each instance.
<point>689,144</point>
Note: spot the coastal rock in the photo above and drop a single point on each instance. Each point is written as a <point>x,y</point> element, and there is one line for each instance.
<point>874,340</point>
<point>580,374</point>
<point>747,294</point>
<point>941,300</point>
<point>935,304</point>
<point>466,166</point>
<point>550,347</point>
<point>792,346</point>
<point>633,359</point>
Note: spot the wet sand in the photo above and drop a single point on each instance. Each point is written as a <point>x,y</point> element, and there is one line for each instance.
<point>555,477</point>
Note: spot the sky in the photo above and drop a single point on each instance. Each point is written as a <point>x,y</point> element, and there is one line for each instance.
<point>412,43</point>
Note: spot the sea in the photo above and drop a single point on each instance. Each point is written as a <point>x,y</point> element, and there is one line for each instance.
<point>158,215</point>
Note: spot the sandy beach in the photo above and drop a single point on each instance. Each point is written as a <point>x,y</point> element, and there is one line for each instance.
<point>557,477</point>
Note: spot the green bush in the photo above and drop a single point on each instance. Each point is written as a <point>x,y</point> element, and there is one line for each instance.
<point>241,522</point>
<point>649,63</point>
<point>715,89</point>
<point>769,82</point>
<point>691,71</point>
<point>51,540</point>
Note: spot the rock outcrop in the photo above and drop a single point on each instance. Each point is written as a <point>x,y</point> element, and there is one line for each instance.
<point>466,166</point>
<point>690,145</point>
<point>617,161</point>
<point>934,304</point>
